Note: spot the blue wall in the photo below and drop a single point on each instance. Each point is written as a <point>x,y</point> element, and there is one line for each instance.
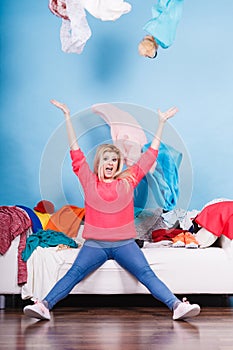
<point>196,74</point>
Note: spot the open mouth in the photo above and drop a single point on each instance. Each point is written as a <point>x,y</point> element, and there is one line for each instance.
<point>108,170</point>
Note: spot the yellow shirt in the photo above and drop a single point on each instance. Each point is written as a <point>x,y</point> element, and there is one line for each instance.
<point>44,218</point>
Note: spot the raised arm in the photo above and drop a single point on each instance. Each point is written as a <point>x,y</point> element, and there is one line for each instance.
<point>72,139</point>
<point>163,117</point>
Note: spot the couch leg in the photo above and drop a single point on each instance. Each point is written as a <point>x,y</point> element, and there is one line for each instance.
<point>2,302</point>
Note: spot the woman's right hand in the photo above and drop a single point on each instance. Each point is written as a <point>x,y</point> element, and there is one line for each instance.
<point>164,116</point>
<point>61,106</point>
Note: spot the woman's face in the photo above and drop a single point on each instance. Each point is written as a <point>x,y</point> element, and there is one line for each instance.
<point>110,165</point>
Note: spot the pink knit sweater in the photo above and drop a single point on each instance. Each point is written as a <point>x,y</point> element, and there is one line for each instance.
<point>109,207</point>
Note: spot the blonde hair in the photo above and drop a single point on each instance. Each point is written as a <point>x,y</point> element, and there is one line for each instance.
<point>148,46</point>
<point>98,163</point>
<point>99,156</point>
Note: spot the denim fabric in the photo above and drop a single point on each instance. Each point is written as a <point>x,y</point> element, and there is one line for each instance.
<point>128,256</point>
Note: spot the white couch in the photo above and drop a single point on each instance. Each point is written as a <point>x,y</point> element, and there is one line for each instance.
<point>185,271</point>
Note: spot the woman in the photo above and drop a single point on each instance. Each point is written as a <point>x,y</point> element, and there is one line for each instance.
<point>109,228</point>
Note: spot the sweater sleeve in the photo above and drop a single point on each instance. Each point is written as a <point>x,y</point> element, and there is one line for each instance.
<point>80,166</point>
<point>143,165</point>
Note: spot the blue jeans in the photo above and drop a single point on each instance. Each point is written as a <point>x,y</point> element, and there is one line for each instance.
<point>129,256</point>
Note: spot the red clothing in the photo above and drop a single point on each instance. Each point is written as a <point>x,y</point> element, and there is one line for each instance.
<point>166,234</point>
<point>14,222</point>
<point>109,207</point>
<point>217,218</point>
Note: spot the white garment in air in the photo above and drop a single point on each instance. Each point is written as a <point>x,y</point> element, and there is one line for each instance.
<point>106,10</point>
<point>75,30</point>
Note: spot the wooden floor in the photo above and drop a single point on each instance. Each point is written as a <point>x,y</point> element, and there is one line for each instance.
<point>117,328</point>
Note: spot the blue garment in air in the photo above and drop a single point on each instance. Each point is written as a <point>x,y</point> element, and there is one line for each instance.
<point>166,15</point>
<point>164,181</point>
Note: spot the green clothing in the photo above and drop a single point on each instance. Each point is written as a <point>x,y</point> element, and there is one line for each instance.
<point>46,238</point>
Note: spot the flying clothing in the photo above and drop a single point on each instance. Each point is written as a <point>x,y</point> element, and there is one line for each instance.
<point>166,15</point>
<point>130,138</point>
<point>75,30</point>
<point>127,134</point>
<point>164,178</point>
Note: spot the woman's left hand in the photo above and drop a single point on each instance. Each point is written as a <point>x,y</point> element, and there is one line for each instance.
<point>62,106</point>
